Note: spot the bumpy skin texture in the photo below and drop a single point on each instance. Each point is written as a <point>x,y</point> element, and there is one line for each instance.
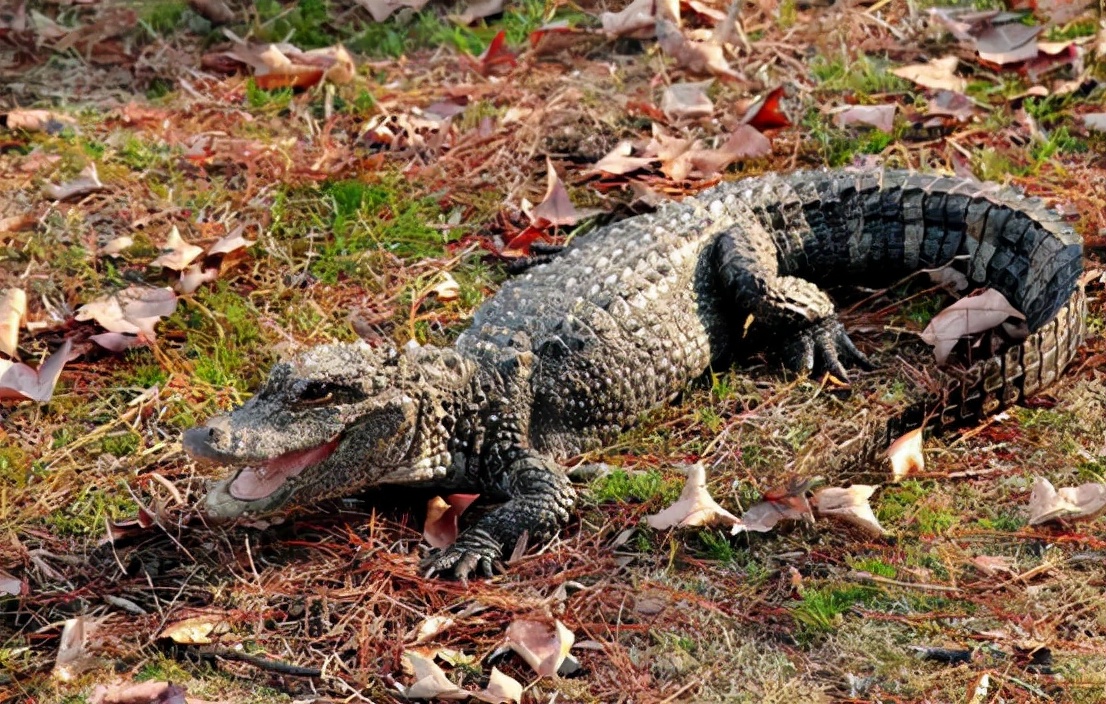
<point>574,350</point>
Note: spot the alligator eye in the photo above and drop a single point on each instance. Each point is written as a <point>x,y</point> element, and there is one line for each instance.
<point>315,394</point>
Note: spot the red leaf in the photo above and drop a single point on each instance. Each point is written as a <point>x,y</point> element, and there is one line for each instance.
<point>496,56</point>
<point>767,113</point>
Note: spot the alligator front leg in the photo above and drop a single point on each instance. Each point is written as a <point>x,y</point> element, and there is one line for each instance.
<point>540,502</point>
<point>783,308</point>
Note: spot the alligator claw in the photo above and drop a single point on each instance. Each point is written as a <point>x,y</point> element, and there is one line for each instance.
<point>472,554</point>
<point>830,344</point>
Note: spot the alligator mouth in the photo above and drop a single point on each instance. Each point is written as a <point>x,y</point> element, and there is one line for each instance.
<point>261,481</point>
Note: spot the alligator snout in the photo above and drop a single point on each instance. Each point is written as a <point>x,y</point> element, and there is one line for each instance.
<point>203,443</point>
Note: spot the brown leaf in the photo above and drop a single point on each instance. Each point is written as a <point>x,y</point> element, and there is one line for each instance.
<point>1008,43</point>
<point>951,103</point>
<point>497,58</point>
<point>938,74</point>
<point>447,289</point>
<point>882,117</point>
<point>1046,503</point>
<point>17,223</point>
<point>12,586</point>
<point>619,161</point>
<point>177,254</point>
<point>635,20</point>
<point>37,121</point>
<point>477,11</point>
<point>556,209</point>
<point>745,143</point>
<point>117,246</point>
<point>967,316</point>
<point>906,455</point>
<point>73,657</point>
<point>544,645</point>
<point>850,505</point>
<point>286,66</point>
<point>190,631</point>
<point>501,689</point>
<point>695,507</point>
<point>440,530</point>
<point>13,315</point>
<point>87,182</point>
<point>151,692</point>
<point>133,311</point>
<point>687,101</point>
<point>383,9</point>
<point>430,681</point>
<point>214,10</point>
<point>19,381</point>
<point>991,566</point>
<point>787,503</point>
<point>696,57</point>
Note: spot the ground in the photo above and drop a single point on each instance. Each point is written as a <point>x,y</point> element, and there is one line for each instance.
<point>358,194</point>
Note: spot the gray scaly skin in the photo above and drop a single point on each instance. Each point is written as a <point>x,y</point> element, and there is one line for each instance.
<point>570,353</point>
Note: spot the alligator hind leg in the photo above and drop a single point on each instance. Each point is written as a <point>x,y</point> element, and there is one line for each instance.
<point>785,309</point>
<point>540,501</point>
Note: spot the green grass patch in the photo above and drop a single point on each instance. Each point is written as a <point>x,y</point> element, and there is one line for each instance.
<point>85,512</point>
<point>274,100</point>
<point>164,16</point>
<point>620,486</point>
<point>821,609</point>
<point>864,76</point>
<point>303,23</point>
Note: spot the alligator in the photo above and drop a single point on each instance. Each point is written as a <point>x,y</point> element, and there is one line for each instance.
<point>575,349</point>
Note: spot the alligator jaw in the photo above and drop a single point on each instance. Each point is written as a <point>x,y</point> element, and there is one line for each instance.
<point>255,482</point>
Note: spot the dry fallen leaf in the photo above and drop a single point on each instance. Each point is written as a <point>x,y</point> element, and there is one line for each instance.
<point>477,11</point>
<point>1095,121</point>
<point>544,645</point>
<point>87,182</point>
<point>430,681</point>
<point>383,9</point>
<point>10,585</point>
<point>177,254</point>
<point>134,310</point>
<point>906,455</point>
<point>190,631</point>
<point>556,209</point>
<point>695,507</point>
<point>73,657</point>
<point>13,314</point>
<point>967,316</point>
<point>431,627</point>
<point>19,381</point>
<point>687,101</point>
<point>38,121</point>
<point>151,692</point>
<point>882,117</point>
<point>635,20</point>
<point>502,689</point>
<point>697,57</point>
<point>231,243</point>
<point>440,529</point>
<point>195,276</point>
<point>1008,43</point>
<point>619,161</point>
<point>991,566</point>
<point>447,289</point>
<point>746,142</point>
<point>1046,503</point>
<point>286,66</point>
<point>117,246</point>
<point>850,505</point>
<point>938,74</point>
<point>785,503</point>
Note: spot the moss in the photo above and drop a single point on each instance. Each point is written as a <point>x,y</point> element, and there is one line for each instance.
<point>621,486</point>
<point>87,510</point>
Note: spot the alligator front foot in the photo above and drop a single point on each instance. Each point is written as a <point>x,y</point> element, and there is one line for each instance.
<point>475,552</point>
<point>541,499</point>
<point>825,343</point>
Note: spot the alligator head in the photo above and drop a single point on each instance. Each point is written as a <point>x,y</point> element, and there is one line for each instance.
<point>332,420</point>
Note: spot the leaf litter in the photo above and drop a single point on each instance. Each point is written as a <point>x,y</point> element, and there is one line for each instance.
<point>251,160</point>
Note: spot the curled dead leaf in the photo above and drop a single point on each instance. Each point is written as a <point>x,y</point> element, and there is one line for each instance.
<point>695,56</point>
<point>88,181</point>
<point>13,315</point>
<point>850,505</point>
<point>19,381</point>
<point>635,20</point>
<point>619,162</point>
<point>966,317</point>
<point>695,507</point>
<point>430,681</point>
<point>938,74</point>
<point>117,246</point>
<point>906,455</point>
<point>556,209</point>
<point>501,689</point>
<point>134,310</point>
<point>544,644</point>
<point>11,586</point>
<point>177,254</point>
<point>687,101</point>
<point>37,121</point>
<point>882,117</point>
<point>190,631</point>
<point>440,529</point>
<point>1046,503</point>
